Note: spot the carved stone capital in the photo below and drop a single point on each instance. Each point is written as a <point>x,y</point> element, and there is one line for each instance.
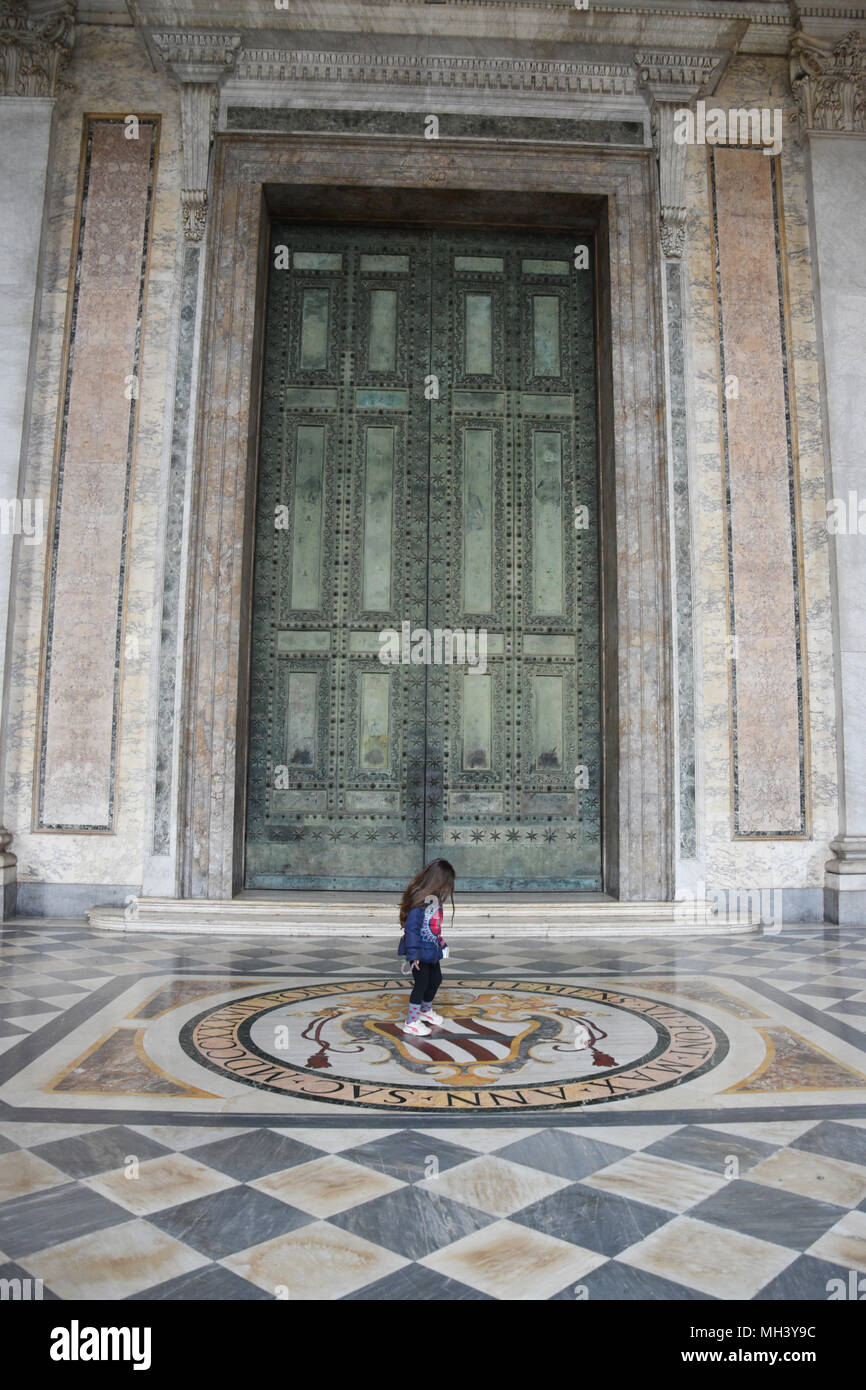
<point>828,80</point>
<point>34,49</point>
<point>199,61</point>
<point>673,81</point>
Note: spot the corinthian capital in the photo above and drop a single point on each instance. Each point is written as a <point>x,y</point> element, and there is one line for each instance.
<point>34,49</point>
<point>828,80</point>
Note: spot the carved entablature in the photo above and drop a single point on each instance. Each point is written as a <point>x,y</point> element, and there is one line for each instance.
<point>672,81</point>
<point>828,79</point>
<point>449,72</point>
<point>34,49</point>
<point>198,60</point>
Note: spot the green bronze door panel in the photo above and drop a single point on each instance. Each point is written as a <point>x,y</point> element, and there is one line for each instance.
<point>514,750</point>
<point>428,459</point>
<point>335,783</point>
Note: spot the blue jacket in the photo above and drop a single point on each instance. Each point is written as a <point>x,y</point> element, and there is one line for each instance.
<point>418,941</point>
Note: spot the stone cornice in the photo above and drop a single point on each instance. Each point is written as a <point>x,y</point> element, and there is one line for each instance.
<point>34,49</point>
<point>828,80</point>
<point>498,25</point>
<point>669,75</point>
<point>442,71</point>
<point>197,55</point>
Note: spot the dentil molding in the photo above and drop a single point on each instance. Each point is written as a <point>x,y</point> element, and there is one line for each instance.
<point>441,71</point>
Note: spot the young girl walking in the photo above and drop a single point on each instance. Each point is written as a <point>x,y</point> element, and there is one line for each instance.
<point>422,943</point>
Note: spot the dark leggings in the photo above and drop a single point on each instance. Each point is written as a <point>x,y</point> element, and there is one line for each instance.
<point>428,978</point>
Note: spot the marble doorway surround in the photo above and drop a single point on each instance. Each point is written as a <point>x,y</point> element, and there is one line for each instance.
<point>613,195</point>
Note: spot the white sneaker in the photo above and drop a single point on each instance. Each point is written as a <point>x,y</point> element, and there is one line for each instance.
<point>430,1017</point>
<point>417,1029</point>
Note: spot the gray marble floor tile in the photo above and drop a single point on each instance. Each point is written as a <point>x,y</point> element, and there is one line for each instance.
<point>831,991</point>
<point>10,1270</point>
<point>705,1147</point>
<point>254,1154</point>
<point>614,1282</point>
<point>405,1155</point>
<point>53,1215</point>
<point>412,1222</point>
<point>853,1007</point>
<point>20,1008</point>
<point>564,1153</point>
<point>595,1220</point>
<point>782,1218</point>
<point>11,1030</point>
<point>416,1283</point>
<point>103,1149</point>
<point>812,1279</point>
<point>834,1139</point>
<point>229,1221</point>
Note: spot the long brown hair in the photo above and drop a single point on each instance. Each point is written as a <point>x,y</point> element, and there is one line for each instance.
<point>435,879</point>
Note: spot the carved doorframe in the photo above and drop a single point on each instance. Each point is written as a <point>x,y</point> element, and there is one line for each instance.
<point>637,692</point>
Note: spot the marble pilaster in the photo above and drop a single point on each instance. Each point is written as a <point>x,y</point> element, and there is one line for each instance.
<point>828,80</point>
<point>34,51</point>
<point>672,81</point>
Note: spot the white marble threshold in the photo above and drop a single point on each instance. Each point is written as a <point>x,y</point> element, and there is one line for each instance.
<point>330,915</point>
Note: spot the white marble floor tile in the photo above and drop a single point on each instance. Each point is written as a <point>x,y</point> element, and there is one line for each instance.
<point>845,1243</point>
<point>161,1182</point>
<point>318,1261</point>
<point>494,1185</point>
<point>482,1140</point>
<point>335,1140</point>
<point>711,1259</point>
<point>513,1262</point>
<point>328,1185</point>
<point>813,1175</point>
<point>22,1172</point>
<point>770,1131</point>
<point>113,1263</point>
<point>661,1182</point>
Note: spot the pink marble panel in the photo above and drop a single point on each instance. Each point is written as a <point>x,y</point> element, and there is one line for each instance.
<point>82,653</point>
<point>767,752</point>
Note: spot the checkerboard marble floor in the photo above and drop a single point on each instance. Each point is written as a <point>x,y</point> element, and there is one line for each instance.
<point>162,1194</point>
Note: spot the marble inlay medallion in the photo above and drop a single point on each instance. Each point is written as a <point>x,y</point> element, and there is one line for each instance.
<point>504,1043</point>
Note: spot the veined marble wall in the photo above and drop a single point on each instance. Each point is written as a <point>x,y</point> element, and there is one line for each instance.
<point>790,861</point>
<point>112,76</point>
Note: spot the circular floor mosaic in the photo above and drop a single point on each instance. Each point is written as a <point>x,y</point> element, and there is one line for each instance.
<point>504,1044</point>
